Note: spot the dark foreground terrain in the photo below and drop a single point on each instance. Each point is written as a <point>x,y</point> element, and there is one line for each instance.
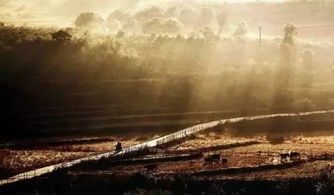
<point>251,161</point>
<point>63,183</point>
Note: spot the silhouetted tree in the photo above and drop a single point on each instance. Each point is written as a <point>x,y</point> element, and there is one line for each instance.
<point>208,34</point>
<point>240,31</point>
<point>61,36</point>
<point>89,20</point>
<point>221,20</point>
<point>290,31</point>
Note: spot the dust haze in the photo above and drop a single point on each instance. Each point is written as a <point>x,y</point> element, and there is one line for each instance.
<point>246,56</point>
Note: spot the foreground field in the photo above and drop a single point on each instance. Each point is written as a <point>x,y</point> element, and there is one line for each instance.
<point>239,152</point>
<point>283,150</point>
<point>253,167</point>
<point>130,127</point>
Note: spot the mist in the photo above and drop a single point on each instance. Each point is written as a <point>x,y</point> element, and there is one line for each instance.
<point>191,56</point>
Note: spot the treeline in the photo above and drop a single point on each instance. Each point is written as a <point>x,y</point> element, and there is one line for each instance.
<point>51,67</point>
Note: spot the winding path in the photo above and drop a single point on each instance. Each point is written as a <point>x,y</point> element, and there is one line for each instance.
<point>152,143</point>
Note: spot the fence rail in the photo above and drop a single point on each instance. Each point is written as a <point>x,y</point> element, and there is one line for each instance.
<point>152,143</point>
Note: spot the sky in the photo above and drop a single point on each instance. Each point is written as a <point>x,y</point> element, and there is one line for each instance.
<point>51,12</point>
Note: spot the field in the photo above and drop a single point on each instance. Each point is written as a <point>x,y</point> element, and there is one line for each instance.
<point>249,158</point>
<point>240,152</point>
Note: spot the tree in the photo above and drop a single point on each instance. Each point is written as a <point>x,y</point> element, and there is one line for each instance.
<point>208,34</point>
<point>88,20</point>
<point>221,20</point>
<point>290,31</point>
<point>240,31</point>
<point>171,26</point>
<point>152,26</point>
<point>61,36</point>
<point>285,68</point>
<point>207,17</point>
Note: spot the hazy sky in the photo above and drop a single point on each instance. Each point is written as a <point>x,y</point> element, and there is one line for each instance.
<point>51,11</point>
<point>63,12</point>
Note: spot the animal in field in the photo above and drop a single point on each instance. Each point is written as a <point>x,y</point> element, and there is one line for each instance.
<point>213,158</point>
<point>294,155</point>
<point>224,161</point>
<point>151,167</point>
<point>284,155</point>
<point>290,155</point>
